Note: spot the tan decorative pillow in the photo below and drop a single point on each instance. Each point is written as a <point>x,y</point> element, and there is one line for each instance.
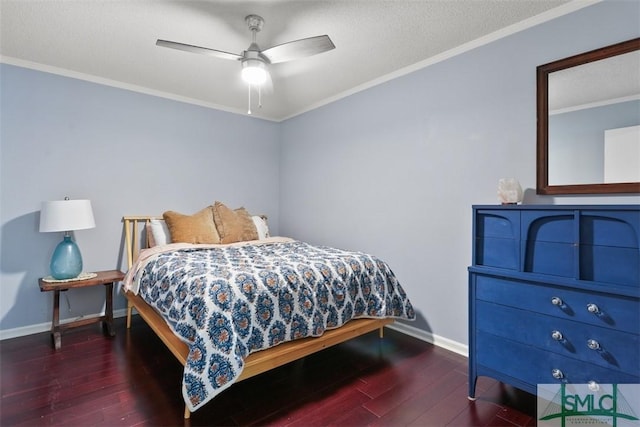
<point>233,225</point>
<point>196,228</point>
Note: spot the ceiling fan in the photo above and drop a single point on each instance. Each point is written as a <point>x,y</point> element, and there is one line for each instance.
<point>255,61</point>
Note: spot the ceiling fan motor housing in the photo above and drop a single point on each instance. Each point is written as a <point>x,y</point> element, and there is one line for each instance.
<point>252,57</point>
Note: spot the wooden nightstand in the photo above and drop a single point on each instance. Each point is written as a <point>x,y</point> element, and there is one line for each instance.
<point>106,278</point>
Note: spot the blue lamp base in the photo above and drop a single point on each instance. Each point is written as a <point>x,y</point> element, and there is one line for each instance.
<point>66,262</point>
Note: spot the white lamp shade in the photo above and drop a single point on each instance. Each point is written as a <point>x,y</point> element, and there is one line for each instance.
<point>66,215</point>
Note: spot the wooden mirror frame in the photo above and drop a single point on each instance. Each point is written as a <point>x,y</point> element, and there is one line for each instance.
<point>542,151</point>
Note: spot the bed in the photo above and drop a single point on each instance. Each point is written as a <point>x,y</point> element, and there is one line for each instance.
<point>262,340</point>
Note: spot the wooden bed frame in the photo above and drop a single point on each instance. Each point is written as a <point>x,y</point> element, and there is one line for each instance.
<point>256,363</point>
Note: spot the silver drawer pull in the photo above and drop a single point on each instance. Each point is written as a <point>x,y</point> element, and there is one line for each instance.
<point>556,301</point>
<point>556,335</point>
<point>557,374</point>
<point>593,385</point>
<point>592,308</point>
<point>593,345</point>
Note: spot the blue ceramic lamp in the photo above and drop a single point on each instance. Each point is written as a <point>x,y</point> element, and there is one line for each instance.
<point>66,215</point>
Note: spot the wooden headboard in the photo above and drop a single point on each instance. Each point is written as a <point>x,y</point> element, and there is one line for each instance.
<point>133,242</point>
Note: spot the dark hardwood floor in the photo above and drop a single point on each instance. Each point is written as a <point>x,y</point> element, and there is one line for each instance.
<point>133,380</point>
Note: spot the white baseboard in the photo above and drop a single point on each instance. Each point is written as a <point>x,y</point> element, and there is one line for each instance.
<point>44,327</point>
<point>446,343</point>
<point>429,337</point>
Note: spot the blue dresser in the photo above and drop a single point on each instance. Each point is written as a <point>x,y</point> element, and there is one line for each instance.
<point>554,295</point>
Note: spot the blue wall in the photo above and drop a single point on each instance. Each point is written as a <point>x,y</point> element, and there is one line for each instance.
<point>395,169</point>
<point>130,154</point>
<point>392,170</point>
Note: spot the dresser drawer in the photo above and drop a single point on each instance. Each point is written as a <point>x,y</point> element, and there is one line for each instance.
<point>549,236</point>
<point>600,346</point>
<point>536,366</point>
<point>610,264</point>
<point>549,226</point>
<point>497,239</point>
<point>609,311</point>
<point>609,247</point>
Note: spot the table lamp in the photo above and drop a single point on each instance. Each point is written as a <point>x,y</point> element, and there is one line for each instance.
<point>66,215</point>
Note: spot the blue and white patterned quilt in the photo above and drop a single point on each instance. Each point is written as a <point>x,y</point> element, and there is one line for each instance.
<point>227,302</point>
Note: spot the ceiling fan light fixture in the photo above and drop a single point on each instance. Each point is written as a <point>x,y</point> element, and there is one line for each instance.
<point>254,72</point>
<point>254,60</point>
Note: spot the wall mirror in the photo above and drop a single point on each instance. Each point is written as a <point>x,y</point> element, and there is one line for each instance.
<point>588,108</point>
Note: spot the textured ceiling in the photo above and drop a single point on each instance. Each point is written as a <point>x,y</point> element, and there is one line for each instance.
<point>113,42</point>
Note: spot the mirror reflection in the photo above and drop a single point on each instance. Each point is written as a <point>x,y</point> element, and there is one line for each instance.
<point>594,122</point>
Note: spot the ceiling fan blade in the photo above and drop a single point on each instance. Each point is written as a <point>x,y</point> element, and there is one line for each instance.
<point>298,49</point>
<point>267,86</point>
<point>198,49</point>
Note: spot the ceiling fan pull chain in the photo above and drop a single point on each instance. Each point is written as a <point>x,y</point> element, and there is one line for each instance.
<point>249,88</point>
<point>259,96</point>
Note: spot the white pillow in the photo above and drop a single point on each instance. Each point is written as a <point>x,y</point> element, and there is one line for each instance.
<point>160,232</point>
<point>261,226</point>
